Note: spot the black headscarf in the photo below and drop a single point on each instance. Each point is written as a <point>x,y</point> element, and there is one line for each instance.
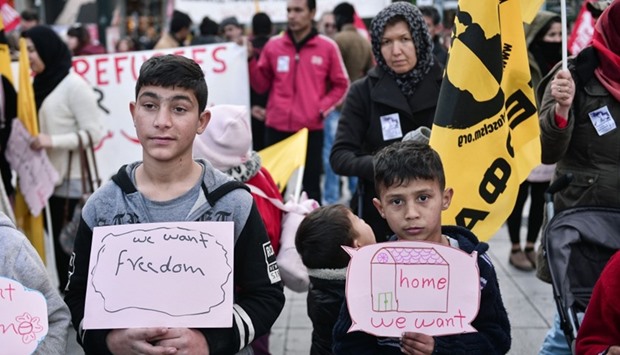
<point>407,82</point>
<point>56,56</point>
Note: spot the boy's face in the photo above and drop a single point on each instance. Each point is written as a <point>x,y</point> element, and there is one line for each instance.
<point>167,121</point>
<point>365,235</point>
<point>413,209</point>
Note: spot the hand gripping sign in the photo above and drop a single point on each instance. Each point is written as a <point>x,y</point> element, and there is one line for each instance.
<point>23,317</point>
<point>160,274</point>
<point>412,286</point>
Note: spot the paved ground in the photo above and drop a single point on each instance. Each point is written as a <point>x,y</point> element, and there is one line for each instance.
<point>528,300</point>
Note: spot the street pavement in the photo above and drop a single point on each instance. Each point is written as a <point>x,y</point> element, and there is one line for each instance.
<point>529,303</point>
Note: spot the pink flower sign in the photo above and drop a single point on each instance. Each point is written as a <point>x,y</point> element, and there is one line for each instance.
<point>23,317</point>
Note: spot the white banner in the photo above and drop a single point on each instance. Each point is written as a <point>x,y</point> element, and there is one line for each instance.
<point>218,10</point>
<point>114,76</point>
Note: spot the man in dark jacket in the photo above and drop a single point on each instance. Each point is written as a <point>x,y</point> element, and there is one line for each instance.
<point>432,18</point>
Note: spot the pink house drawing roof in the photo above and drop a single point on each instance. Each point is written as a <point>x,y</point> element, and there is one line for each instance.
<point>408,256</point>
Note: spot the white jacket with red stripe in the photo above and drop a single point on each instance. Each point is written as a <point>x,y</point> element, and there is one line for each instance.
<point>305,84</point>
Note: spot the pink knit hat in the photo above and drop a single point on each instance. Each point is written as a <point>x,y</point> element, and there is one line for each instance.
<point>227,141</point>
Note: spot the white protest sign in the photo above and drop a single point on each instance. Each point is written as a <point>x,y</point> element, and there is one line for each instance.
<point>23,317</point>
<point>412,286</point>
<point>160,274</point>
<point>37,176</point>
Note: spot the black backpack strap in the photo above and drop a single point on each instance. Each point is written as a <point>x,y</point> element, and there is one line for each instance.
<point>221,191</point>
<point>123,181</point>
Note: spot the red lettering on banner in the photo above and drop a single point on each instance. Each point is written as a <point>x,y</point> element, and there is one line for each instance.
<point>100,70</point>
<point>115,69</point>
<point>81,66</point>
<point>118,67</point>
<point>134,69</point>
<point>195,57</point>
<point>218,60</point>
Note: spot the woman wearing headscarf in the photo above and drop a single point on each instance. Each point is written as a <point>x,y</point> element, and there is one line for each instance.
<point>398,96</point>
<point>67,106</point>
<point>579,120</point>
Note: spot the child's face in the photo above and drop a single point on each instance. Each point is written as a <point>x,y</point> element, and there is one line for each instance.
<point>365,235</point>
<point>413,210</point>
<point>167,121</point>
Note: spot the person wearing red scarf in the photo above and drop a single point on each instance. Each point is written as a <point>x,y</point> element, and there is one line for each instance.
<point>579,123</point>
<point>606,41</point>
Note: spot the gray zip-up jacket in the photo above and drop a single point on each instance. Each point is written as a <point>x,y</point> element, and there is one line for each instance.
<point>258,298</point>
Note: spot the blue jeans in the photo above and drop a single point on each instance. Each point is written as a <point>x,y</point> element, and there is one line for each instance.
<point>555,342</point>
<point>331,183</point>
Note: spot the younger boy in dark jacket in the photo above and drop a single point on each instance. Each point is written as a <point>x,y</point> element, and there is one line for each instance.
<point>318,240</point>
<point>410,183</point>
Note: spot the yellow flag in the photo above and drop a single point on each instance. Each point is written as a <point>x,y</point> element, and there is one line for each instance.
<point>486,123</point>
<point>32,226</point>
<point>284,157</point>
<point>529,9</point>
<point>5,54</point>
<point>26,108</point>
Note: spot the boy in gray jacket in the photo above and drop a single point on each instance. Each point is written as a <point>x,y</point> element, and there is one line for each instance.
<point>166,186</point>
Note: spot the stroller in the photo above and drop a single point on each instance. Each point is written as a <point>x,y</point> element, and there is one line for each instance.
<point>579,242</point>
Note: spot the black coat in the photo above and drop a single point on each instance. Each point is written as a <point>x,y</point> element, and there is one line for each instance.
<point>324,300</point>
<point>359,133</point>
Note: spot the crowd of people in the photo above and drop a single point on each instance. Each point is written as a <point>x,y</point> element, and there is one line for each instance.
<point>368,104</point>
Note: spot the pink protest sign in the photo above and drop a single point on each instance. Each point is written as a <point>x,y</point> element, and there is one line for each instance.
<point>37,176</point>
<point>412,286</point>
<point>160,274</point>
<point>23,317</point>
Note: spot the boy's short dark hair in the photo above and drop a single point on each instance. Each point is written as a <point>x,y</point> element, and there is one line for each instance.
<point>401,162</point>
<point>180,20</point>
<point>320,236</point>
<point>432,13</point>
<point>171,71</point>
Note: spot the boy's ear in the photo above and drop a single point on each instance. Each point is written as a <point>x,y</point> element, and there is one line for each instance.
<point>447,198</point>
<point>377,203</point>
<point>132,109</point>
<point>203,121</point>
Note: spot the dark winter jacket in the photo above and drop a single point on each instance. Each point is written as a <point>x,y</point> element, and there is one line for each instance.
<point>325,297</point>
<point>259,296</point>
<point>360,135</point>
<point>592,159</point>
<point>493,336</point>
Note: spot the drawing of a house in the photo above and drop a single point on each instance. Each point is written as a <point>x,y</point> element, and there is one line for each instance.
<point>409,280</point>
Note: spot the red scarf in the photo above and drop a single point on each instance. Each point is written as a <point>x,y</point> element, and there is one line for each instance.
<point>606,41</point>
